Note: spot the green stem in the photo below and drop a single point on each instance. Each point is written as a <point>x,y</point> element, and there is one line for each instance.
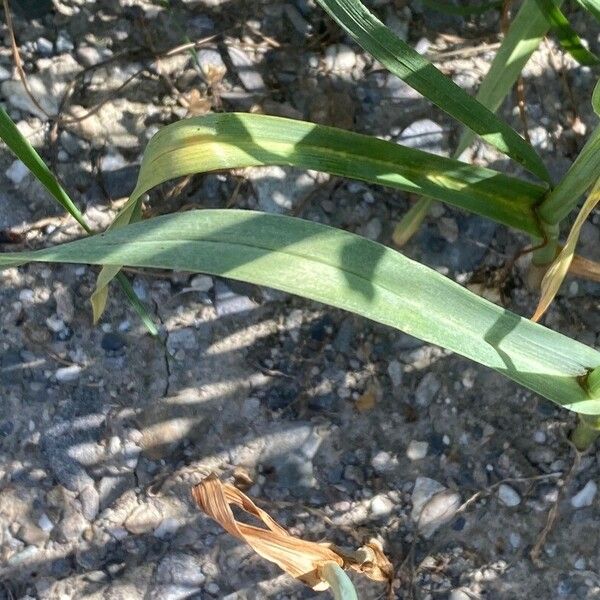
<point>341,586</point>
<point>586,432</point>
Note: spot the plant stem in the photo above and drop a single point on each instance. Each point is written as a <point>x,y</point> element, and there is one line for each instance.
<point>341,586</point>
<point>586,432</point>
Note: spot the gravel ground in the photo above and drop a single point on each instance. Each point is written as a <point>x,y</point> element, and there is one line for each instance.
<point>343,429</point>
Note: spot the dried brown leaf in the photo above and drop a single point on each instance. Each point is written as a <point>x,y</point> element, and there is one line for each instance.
<point>298,558</point>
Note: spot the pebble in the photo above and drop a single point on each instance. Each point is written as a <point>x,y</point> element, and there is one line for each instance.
<point>515,539</point>
<point>112,342</point>
<point>539,437</point>
<point>459,595</point>
<point>339,58</point>
<point>382,462</point>
<point>417,450</point>
<point>44,47</point>
<point>437,511</point>
<point>17,172</point>
<point>213,589</point>
<point>64,43</point>
<point>246,69</point>
<point>45,523</point>
<point>585,496</point>
<point>508,496</point>
<point>395,372</point>
<point>211,63</point>
<point>373,229</point>
<point>68,374</point>
<point>201,283</point>
<point>55,324</point>
<point>380,506</point>
<point>428,387</point>
<point>424,134</point>
<point>178,576</point>
<point>166,528</point>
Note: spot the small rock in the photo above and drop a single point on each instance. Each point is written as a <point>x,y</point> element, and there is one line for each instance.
<point>17,172</point>
<point>55,324</point>
<point>45,523</point>
<point>202,283</point>
<point>143,519</point>
<point>515,539</point>
<point>64,43</point>
<point>437,511</point>
<point>580,563</point>
<point>417,450</point>
<point>90,502</point>
<point>428,387</point>
<point>339,58</point>
<point>65,310</point>
<point>372,230</point>
<point>508,496</point>
<point>459,595</point>
<point>178,576</point>
<point>44,47</point>
<point>68,374</point>
<point>382,462</point>
<point>31,534</point>
<point>182,339</point>
<point>228,302</point>
<point>167,528</point>
<point>71,528</point>
<point>539,437</point>
<point>380,506</point>
<point>395,372</point>
<point>424,134</point>
<point>246,69</point>
<point>424,489</point>
<point>585,497</point>
<point>89,56</point>
<point>211,64</point>
<point>213,589</point>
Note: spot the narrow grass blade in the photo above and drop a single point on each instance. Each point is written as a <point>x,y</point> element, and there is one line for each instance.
<point>592,6</point>
<point>566,35</point>
<point>409,65</point>
<point>560,267</point>
<point>581,176</point>
<point>25,152</point>
<point>347,271</point>
<point>524,35</point>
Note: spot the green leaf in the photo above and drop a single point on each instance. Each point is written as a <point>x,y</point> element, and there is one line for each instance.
<point>524,35</point>
<point>419,73</point>
<point>580,176</point>
<point>25,152</point>
<point>233,140</point>
<point>347,271</point>
<point>566,35</point>
<point>592,6</point>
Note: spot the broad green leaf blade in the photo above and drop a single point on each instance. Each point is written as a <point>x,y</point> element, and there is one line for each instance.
<point>566,35</point>
<point>347,271</point>
<point>368,31</point>
<point>580,176</point>
<point>25,152</point>
<point>524,35</point>
<point>592,6</point>
<point>560,267</point>
<point>233,140</point>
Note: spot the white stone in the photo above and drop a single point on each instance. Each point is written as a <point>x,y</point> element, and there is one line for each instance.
<point>17,172</point>
<point>339,58</point>
<point>45,524</point>
<point>417,450</point>
<point>585,496</point>
<point>202,283</point>
<point>508,496</point>
<point>381,506</point>
<point>68,374</point>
